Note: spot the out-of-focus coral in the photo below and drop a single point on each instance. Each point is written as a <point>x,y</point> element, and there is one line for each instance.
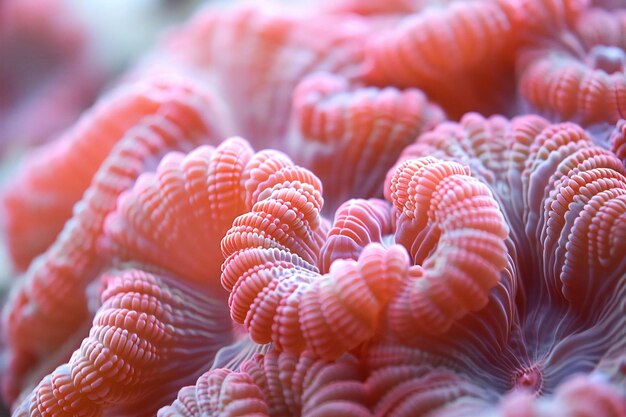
<point>409,243</point>
<point>457,53</point>
<point>580,396</point>
<point>56,55</point>
<point>275,51</point>
<point>580,75</point>
<point>163,114</point>
<point>45,71</point>
<point>276,384</point>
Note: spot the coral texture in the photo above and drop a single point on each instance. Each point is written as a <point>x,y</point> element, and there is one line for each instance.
<point>50,302</point>
<point>581,75</point>
<point>436,225</point>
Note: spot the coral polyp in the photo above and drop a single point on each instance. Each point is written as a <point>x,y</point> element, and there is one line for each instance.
<point>352,208</point>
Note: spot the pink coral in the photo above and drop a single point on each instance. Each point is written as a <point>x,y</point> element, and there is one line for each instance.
<point>368,126</point>
<point>435,352</point>
<point>618,140</point>
<point>147,325</point>
<point>377,260</point>
<point>77,156</point>
<point>167,114</point>
<point>277,384</point>
<point>582,77</point>
<point>469,57</point>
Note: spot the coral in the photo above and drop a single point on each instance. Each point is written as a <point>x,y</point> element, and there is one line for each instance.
<point>173,219</point>
<point>150,335</point>
<point>582,77</point>
<point>276,384</point>
<point>564,199</point>
<point>555,182</point>
<point>413,240</point>
<point>276,51</point>
<point>168,113</point>
<point>618,140</point>
<point>467,46</point>
<point>368,126</point>
<point>473,340</point>
<point>452,227</point>
<point>580,396</point>
<point>464,68</point>
<point>357,223</point>
<point>76,157</point>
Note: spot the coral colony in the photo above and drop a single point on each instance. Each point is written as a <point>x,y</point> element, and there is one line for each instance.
<point>343,208</point>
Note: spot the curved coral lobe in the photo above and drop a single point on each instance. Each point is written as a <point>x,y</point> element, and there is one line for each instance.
<point>276,384</point>
<point>277,48</point>
<point>280,296</point>
<point>352,136</point>
<point>271,255</point>
<point>76,156</point>
<point>564,198</point>
<point>580,222</point>
<point>176,217</point>
<point>581,77</point>
<point>404,382</point>
<point>453,228</point>
<point>151,335</point>
<point>276,289</point>
<point>270,270</point>
<point>390,55</point>
<point>36,324</point>
<point>470,55</point>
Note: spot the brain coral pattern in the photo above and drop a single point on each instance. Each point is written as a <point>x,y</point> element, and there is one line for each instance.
<point>434,352</point>
<point>436,225</point>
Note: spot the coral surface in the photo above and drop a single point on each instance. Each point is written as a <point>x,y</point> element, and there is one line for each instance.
<point>351,208</point>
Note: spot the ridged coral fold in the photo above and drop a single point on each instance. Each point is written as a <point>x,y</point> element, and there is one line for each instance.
<point>169,113</point>
<point>453,228</point>
<point>270,269</point>
<point>146,325</point>
<point>403,208</point>
<point>276,384</point>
